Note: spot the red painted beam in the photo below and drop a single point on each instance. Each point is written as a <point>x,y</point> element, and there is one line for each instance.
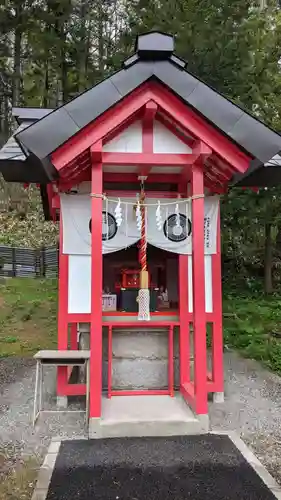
<point>149,194</point>
<point>144,392</point>
<point>149,159</point>
<point>150,111</point>
<point>96,152</point>
<point>147,135</point>
<point>213,187</point>
<point>131,177</point>
<point>101,127</point>
<point>201,149</point>
<point>74,390</point>
<point>201,129</point>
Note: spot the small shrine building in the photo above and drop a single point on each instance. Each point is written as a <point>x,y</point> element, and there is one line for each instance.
<point>134,169</point>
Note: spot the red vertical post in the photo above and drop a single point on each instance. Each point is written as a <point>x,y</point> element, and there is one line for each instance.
<point>184,345</point>
<point>198,278</point>
<point>171,360</point>
<point>62,310</point>
<point>217,341</point>
<point>184,339</point>
<point>73,336</point>
<point>96,284</point>
<point>109,363</point>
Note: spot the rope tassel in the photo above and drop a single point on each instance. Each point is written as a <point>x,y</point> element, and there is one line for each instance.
<point>144,295</point>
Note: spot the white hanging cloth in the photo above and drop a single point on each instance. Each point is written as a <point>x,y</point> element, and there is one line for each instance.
<point>76,217</point>
<point>170,230</point>
<point>175,234</point>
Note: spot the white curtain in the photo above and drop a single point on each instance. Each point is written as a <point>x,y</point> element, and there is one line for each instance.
<point>178,238</point>
<point>175,234</point>
<point>76,217</point>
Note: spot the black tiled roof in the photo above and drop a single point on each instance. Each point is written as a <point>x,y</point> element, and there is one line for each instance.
<point>154,59</point>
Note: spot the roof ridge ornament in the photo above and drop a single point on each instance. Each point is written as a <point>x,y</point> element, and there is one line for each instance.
<point>154,45</point>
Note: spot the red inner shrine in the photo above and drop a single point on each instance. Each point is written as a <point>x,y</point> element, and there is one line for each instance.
<point>206,169</point>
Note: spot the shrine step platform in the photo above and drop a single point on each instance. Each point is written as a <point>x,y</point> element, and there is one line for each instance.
<point>136,416</point>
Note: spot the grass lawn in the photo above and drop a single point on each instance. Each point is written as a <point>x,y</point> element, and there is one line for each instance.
<point>28,316</point>
<point>28,321</point>
<point>252,325</point>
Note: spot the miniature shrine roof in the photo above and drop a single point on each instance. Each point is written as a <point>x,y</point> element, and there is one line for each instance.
<point>26,157</point>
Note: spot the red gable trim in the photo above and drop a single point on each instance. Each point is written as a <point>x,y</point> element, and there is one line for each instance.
<point>167,101</point>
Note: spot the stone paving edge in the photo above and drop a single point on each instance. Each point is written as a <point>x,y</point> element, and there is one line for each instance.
<point>46,471</point>
<point>253,461</point>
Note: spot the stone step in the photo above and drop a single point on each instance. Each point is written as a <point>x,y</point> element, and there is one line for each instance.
<point>146,416</point>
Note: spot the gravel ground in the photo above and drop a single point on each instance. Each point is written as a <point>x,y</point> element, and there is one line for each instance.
<point>252,407</point>
<point>16,405</point>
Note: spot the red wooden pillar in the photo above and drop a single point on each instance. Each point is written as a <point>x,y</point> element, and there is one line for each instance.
<point>96,284</point>
<point>184,339</point>
<point>198,279</point>
<point>217,341</point>
<point>184,323</point>
<point>73,336</point>
<point>62,312</point>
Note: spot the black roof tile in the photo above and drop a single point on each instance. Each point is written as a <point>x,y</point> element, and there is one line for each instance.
<point>154,59</point>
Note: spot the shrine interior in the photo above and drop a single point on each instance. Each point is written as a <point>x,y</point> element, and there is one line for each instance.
<point>121,280</point>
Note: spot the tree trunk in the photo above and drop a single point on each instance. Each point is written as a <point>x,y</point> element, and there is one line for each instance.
<point>46,89</point>
<point>16,91</point>
<point>64,83</point>
<point>100,38</point>
<point>268,284</point>
<point>278,239</point>
<point>83,46</point>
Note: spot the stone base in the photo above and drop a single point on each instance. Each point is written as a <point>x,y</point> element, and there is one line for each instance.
<point>129,416</point>
<point>218,397</point>
<point>62,402</point>
<point>139,358</point>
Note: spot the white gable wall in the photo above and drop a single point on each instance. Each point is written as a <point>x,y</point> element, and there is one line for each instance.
<point>129,141</point>
<point>165,141</point>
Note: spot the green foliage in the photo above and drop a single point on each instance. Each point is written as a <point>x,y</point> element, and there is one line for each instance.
<point>65,47</point>
<point>28,316</point>
<point>252,325</point>
<point>22,220</point>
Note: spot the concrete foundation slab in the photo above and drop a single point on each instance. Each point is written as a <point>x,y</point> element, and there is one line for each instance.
<point>146,416</point>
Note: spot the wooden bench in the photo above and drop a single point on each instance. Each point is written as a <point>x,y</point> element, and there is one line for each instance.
<point>59,358</point>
